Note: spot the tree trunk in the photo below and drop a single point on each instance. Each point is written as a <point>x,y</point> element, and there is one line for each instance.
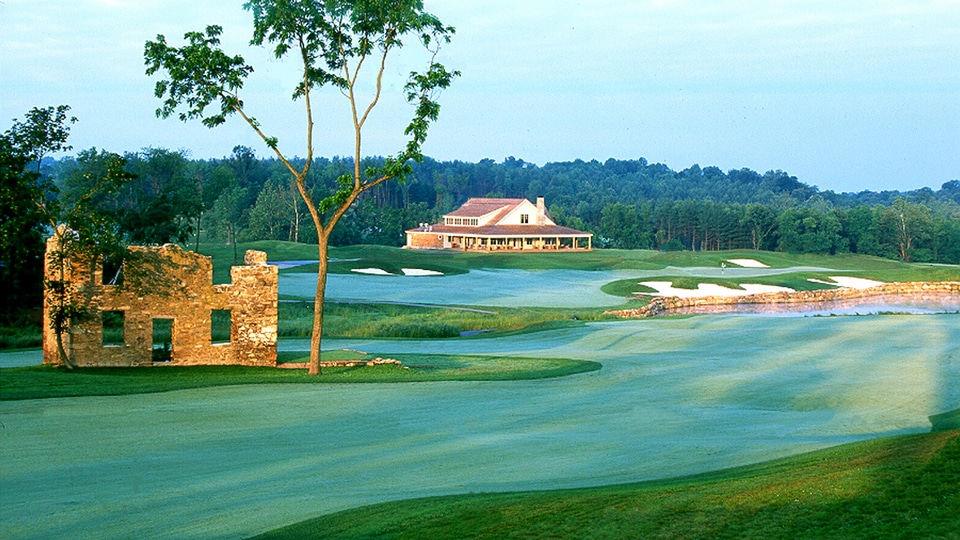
<point>233,237</point>
<point>62,351</point>
<point>296,222</point>
<point>199,218</point>
<point>317,333</point>
<point>905,238</point>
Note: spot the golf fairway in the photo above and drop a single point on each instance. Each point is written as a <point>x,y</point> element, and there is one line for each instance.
<point>674,397</point>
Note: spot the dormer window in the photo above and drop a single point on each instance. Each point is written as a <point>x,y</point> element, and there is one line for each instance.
<point>461,221</point>
<point>524,218</point>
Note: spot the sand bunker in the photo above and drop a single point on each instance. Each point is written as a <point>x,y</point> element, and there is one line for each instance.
<point>371,271</point>
<point>850,282</point>
<point>406,272</point>
<point>420,272</point>
<point>748,263</point>
<point>666,288</point>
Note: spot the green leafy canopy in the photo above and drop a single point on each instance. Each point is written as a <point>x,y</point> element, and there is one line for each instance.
<point>334,41</point>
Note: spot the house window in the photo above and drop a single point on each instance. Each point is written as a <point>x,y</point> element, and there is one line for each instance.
<point>524,218</point>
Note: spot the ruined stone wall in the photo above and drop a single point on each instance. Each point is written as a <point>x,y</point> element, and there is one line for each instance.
<point>176,285</point>
<point>665,305</point>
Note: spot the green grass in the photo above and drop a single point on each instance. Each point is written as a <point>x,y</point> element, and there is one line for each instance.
<point>946,421</point>
<point>369,320</point>
<point>896,487</point>
<point>20,337</point>
<point>348,320</point>
<point>39,382</point>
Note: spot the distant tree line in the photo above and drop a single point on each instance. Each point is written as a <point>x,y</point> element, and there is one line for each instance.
<point>166,197</point>
<point>626,203</point>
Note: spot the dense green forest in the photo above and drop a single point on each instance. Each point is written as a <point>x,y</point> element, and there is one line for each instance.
<point>625,203</point>
<point>166,196</point>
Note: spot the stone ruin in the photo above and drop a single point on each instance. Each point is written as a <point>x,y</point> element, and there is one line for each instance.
<point>180,298</point>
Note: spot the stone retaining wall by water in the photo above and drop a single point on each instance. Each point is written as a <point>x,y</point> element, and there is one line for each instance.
<point>664,305</point>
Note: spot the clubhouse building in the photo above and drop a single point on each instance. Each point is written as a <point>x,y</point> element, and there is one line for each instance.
<point>486,224</point>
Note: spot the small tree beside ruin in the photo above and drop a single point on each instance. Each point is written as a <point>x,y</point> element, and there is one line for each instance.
<point>82,239</point>
<point>335,42</point>
<point>79,231</point>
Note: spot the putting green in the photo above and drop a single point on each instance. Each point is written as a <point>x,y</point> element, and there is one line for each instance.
<point>675,396</point>
<point>499,287</point>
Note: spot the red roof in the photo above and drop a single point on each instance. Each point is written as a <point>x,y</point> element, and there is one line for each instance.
<point>503,230</point>
<point>478,207</point>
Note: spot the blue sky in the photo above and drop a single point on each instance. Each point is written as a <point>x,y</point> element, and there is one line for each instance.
<point>846,96</point>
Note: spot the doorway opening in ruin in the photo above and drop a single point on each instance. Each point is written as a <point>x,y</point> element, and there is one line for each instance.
<point>221,321</point>
<point>162,340</point>
<point>112,322</point>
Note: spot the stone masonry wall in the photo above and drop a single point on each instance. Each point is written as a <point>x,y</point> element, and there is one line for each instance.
<point>180,288</point>
<point>424,240</point>
<point>664,305</point>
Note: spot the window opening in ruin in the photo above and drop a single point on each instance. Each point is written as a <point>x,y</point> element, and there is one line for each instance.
<point>221,321</point>
<point>162,340</point>
<point>112,324</point>
<point>112,272</point>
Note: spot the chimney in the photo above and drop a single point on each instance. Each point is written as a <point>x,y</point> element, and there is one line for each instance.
<point>541,211</point>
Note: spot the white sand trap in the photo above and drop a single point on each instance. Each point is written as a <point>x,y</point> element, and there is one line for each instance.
<point>420,272</point>
<point>371,271</point>
<point>748,263</point>
<point>850,282</point>
<point>666,288</point>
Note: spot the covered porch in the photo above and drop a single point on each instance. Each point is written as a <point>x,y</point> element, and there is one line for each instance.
<point>467,242</point>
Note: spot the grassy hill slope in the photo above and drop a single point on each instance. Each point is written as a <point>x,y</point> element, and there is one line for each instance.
<point>897,487</point>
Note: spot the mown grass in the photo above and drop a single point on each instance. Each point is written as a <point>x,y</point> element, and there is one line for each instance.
<point>20,337</point>
<point>40,382</point>
<point>369,320</point>
<point>946,421</point>
<point>896,487</point>
<point>359,320</point>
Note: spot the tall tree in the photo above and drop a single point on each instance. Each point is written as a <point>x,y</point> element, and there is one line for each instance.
<point>82,234</point>
<point>621,224</point>
<point>267,219</point>
<point>23,193</point>
<point>163,203</point>
<point>760,221</point>
<point>333,41</point>
<point>912,222</point>
<point>43,132</point>
<point>21,239</point>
